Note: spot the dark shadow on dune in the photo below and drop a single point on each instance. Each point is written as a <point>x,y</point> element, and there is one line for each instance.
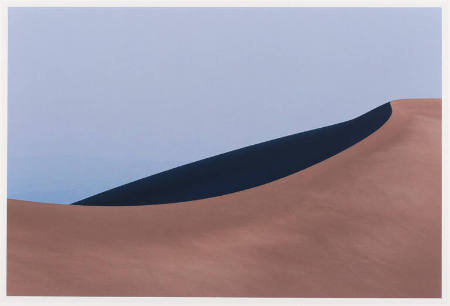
<point>244,168</point>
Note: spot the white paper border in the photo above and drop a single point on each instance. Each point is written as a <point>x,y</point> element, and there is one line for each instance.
<point>217,3</point>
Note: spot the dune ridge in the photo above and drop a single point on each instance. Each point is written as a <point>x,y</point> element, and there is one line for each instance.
<point>363,223</point>
<point>244,168</point>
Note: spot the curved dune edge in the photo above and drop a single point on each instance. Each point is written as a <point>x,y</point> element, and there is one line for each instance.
<point>244,168</point>
<point>364,223</point>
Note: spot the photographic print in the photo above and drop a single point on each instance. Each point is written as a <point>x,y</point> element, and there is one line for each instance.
<point>224,152</point>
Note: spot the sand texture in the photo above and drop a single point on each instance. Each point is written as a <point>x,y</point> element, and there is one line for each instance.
<point>363,223</point>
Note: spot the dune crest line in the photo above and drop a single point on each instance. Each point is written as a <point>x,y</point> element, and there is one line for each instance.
<point>244,168</point>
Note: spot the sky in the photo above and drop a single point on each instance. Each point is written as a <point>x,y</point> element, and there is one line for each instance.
<point>99,97</point>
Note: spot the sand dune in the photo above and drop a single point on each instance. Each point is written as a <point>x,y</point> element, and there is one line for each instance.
<point>363,223</point>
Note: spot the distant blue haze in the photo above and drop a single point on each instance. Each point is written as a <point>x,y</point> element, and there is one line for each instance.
<point>99,97</point>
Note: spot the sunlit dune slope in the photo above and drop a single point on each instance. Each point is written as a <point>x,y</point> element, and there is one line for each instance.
<point>364,223</point>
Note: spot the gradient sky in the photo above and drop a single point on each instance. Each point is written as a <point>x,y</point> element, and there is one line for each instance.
<point>99,97</point>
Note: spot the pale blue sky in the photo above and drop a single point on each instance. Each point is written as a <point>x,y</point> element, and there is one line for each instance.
<point>99,97</point>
